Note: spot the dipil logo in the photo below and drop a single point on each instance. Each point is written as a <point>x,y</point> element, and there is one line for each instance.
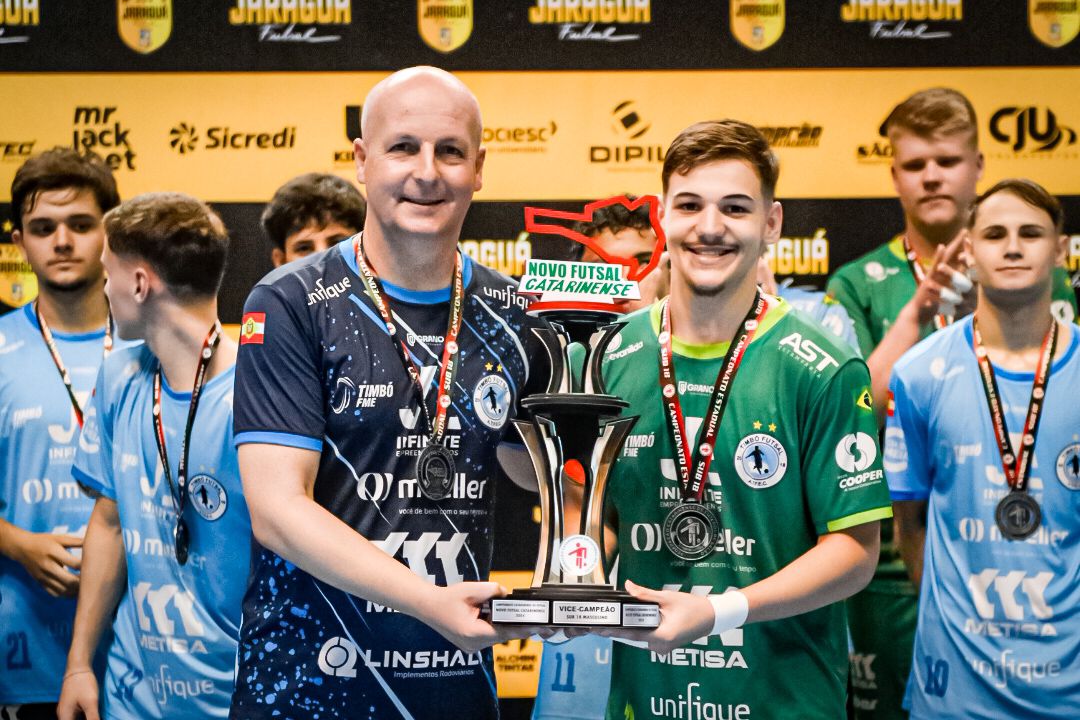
<point>628,123</point>
<point>1017,126</point>
<point>96,128</point>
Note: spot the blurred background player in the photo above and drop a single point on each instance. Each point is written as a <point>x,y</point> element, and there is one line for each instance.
<point>896,295</point>
<point>826,311</point>
<point>50,351</point>
<point>999,608</point>
<point>310,213</point>
<point>168,546</point>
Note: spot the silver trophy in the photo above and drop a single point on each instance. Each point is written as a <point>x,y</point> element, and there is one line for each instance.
<point>577,430</point>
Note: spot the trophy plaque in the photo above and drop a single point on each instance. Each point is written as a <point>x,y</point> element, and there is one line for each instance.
<point>576,430</point>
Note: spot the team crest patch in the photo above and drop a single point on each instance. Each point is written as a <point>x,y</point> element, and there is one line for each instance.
<point>208,497</point>
<point>252,328</point>
<point>491,400</point>
<point>1068,466</point>
<point>760,460</point>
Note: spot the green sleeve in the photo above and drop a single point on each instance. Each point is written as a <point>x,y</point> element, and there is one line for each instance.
<point>845,483</point>
<point>1063,289</point>
<point>843,290</point>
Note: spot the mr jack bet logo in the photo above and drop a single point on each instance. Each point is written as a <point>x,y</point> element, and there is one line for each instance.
<point>99,129</point>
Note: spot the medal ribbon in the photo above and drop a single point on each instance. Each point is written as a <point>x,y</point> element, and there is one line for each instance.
<point>693,471</point>
<point>450,347</point>
<point>1017,466</point>
<point>47,336</point>
<point>179,490</point>
<point>940,320</point>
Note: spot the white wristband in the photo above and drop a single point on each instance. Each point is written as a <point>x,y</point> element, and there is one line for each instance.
<point>730,609</point>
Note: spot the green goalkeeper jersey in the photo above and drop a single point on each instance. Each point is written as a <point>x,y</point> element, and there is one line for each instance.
<point>796,457</point>
<point>875,287</point>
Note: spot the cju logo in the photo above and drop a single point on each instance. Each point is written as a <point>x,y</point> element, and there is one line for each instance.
<point>1019,126</point>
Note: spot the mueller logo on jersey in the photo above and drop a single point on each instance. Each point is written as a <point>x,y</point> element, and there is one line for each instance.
<point>252,327</point>
<point>1010,604</point>
<point>975,530</point>
<point>889,19</point>
<point>808,352</point>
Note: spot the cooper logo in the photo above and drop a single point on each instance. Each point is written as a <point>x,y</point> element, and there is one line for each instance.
<point>1021,126</point>
<point>337,658</point>
<point>856,452</point>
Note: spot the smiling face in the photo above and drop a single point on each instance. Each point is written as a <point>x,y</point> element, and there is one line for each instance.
<point>420,158</point>
<point>717,223</point>
<point>935,178</point>
<point>62,237</point>
<point>1015,248</point>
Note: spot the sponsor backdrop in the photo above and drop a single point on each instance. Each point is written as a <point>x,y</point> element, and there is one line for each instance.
<point>229,99</point>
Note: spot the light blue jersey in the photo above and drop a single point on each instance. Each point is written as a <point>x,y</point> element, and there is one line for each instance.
<point>999,620</point>
<point>177,626</point>
<point>38,436</point>
<point>827,312</point>
<point>574,679</point>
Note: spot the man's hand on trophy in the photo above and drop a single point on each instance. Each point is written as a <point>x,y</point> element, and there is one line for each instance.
<point>683,619</point>
<point>455,613</point>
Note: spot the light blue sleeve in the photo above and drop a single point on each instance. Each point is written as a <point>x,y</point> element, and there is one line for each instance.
<point>93,458</point>
<point>906,459</point>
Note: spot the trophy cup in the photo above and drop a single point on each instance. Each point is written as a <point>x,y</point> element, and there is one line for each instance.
<point>576,429</point>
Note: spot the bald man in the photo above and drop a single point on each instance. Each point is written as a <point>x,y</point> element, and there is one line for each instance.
<point>374,381</point>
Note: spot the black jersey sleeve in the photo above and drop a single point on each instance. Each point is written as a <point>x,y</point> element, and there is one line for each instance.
<point>279,394</point>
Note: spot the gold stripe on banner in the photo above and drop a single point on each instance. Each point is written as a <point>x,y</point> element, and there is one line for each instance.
<point>231,137</point>
<point>517,662</point>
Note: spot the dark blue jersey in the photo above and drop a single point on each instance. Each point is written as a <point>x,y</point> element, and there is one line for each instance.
<point>317,369</point>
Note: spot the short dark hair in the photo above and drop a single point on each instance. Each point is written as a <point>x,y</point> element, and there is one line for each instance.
<point>616,217</point>
<point>182,239</point>
<point>932,111</point>
<point>58,169</point>
<point>1031,193</point>
<point>713,140</point>
<point>312,198</point>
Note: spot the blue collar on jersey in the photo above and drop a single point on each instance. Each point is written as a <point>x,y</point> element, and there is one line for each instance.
<point>28,308</point>
<point>416,297</point>
<point>1074,341</point>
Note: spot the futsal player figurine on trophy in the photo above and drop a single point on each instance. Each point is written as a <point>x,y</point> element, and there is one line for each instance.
<point>576,429</point>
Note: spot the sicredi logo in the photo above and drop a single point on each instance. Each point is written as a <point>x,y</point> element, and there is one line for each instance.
<point>184,139</point>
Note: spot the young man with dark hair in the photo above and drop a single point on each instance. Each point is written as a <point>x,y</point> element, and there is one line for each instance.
<point>367,419</point>
<point>168,544</point>
<point>898,294</point>
<point>311,213</point>
<point>983,461</point>
<point>746,392</point>
<point>50,351</point>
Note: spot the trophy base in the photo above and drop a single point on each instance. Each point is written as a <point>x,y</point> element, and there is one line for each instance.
<point>574,606</point>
